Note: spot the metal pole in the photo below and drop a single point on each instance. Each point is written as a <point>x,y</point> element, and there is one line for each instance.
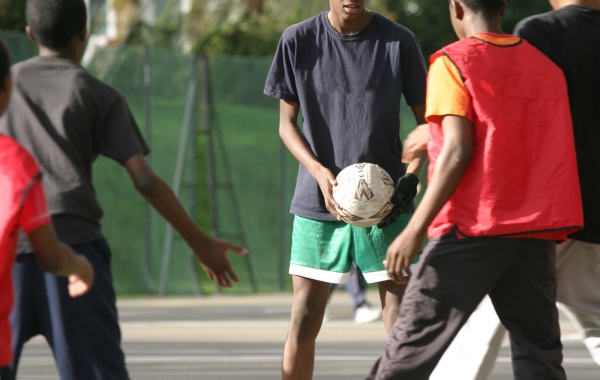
<point>183,139</point>
<point>210,126</point>
<point>192,175</point>
<point>210,150</point>
<point>236,208</point>
<point>148,132</point>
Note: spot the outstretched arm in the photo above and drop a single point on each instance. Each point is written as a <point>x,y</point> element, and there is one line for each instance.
<point>210,252</point>
<point>295,141</point>
<point>449,170</point>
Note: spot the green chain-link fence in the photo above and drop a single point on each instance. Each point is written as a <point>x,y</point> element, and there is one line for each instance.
<point>252,180</point>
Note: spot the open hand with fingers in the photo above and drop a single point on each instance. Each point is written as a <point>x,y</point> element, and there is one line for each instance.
<point>401,253</point>
<point>406,190</point>
<point>212,256</point>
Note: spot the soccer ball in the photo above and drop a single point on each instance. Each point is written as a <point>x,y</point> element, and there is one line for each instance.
<point>363,193</point>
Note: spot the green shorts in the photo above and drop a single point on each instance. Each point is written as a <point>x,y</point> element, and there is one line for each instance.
<point>324,250</point>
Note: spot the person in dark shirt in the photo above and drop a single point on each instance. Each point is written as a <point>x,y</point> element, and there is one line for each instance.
<point>23,206</point>
<point>346,69</point>
<point>66,117</point>
<point>570,37</point>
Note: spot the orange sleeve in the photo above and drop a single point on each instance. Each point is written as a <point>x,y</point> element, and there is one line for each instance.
<point>446,91</point>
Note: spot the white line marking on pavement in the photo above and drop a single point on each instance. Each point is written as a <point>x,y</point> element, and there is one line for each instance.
<point>228,358</point>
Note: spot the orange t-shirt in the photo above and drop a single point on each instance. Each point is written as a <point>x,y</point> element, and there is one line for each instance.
<point>449,96</point>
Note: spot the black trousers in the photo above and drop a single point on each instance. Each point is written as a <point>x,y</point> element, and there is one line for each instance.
<point>83,332</point>
<point>452,278</point>
<point>4,373</point>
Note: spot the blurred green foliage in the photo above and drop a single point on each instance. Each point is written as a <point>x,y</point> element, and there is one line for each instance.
<point>247,31</point>
<point>430,20</point>
<point>12,15</point>
<point>253,27</point>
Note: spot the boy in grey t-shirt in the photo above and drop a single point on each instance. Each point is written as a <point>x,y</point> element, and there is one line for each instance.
<point>347,70</point>
<point>66,117</point>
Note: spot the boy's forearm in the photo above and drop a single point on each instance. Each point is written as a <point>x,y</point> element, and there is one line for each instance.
<point>298,146</point>
<point>68,261</point>
<point>164,201</point>
<point>294,140</point>
<point>416,165</point>
<point>52,255</point>
<point>162,198</point>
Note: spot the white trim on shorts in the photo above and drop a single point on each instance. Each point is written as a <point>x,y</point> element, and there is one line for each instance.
<point>320,274</point>
<point>382,275</point>
<point>378,276</point>
<point>339,277</point>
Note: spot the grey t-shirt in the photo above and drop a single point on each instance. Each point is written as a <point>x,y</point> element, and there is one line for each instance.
<point>65,118</point>
<point>349,89</point>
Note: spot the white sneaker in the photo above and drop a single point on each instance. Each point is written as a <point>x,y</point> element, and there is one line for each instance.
<point>367,313</point>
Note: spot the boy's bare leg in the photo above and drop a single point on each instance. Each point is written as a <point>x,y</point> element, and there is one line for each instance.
<point>390,295</point>
<point>310,299</point>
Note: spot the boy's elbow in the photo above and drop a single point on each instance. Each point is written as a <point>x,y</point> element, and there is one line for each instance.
<point>463,153</point>
<point>285,128</point>
<point>467,152</point>
<point>147,185</point>
<point>282,130</point>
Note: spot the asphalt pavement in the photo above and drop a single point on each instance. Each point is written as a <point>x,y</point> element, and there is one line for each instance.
<point>241,337</point>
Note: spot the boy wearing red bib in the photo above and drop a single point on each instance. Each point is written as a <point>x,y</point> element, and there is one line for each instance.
<point>23,206</point>
<point>503,188</point>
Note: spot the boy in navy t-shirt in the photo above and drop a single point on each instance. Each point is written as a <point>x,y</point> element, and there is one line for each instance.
<point>347,70</point>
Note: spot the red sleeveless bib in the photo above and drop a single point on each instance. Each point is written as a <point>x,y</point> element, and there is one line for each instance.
<point>522,179</point>
<point>17,172</point>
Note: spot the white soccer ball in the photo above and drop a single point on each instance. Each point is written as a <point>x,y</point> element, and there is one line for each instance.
<point>363,193</point>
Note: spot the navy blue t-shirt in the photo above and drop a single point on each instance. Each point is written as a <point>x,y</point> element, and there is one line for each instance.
<point>349,89</point>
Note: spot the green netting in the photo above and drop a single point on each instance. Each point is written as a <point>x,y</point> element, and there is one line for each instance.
<point>21,47</point>
<point>253,196</point>
<point>263,175</point>
<point>125,221</point>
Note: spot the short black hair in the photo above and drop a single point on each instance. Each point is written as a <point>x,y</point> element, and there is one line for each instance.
<point>54,23</point>
<point>5,62</point>
<point>488,7</point>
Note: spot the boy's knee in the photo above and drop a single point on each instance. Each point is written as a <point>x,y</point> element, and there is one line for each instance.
<point>305,323</point>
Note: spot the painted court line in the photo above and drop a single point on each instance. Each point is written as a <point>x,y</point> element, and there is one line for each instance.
<point>228,358</point>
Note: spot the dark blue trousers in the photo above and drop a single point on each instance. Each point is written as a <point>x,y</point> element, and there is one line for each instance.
<point>83,332</point>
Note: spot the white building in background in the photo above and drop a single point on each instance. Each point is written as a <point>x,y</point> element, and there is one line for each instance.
<point>111,20</point>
